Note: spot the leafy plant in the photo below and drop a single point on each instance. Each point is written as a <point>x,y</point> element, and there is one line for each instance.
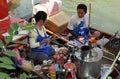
<point>4,76</point>
<point>25,76</point>
<point>6,46</point>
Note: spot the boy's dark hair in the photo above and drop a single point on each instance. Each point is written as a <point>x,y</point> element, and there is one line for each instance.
<point>82,6</point>
<point>40,15</point>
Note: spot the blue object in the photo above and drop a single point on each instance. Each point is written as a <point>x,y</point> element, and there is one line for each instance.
<point>80,30</point>
<point>14,61</point>
<point>44,47</point>
<point>56,67</point>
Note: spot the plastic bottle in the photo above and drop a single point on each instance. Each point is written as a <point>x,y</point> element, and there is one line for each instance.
<point>63,74</point>
<point>52,72</point>
<point>70,67</point>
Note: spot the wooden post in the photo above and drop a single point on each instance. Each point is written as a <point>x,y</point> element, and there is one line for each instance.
<point>89,14</point>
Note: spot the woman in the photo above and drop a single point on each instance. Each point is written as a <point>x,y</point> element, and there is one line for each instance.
<point>39,43</point>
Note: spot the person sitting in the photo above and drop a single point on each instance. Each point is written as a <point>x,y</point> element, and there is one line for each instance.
<point>39,42</point>
<point>78,24</point>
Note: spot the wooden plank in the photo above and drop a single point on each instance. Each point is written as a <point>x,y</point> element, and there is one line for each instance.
<point>57,35</point>
<point>107,35</point>
<point>108,54</point>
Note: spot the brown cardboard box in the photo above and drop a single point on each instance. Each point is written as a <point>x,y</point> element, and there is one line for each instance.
<point>57,23</point>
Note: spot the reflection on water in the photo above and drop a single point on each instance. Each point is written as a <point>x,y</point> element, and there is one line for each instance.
<point>21,8</point>
<point>13,4</point>
<point>105,14</point>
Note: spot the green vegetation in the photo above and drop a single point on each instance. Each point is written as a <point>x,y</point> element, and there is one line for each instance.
<point>6,45</point>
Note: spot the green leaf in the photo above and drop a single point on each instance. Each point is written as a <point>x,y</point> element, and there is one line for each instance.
<point>23,76</point>
<point>7,66</point>
<point>28,27</point>
<point>13,45</point>
<point>28,24</point>
<point>10,31</point>
<point>20,25</point>
<point>4,76</point>
<point>109,77</point>
<point>1,43</point>
<point>19,42</point>
<point>31,76</point>
<point>14,26</point>
<point>6,60</point>
<point>9,53</point>
<point>8,39</point>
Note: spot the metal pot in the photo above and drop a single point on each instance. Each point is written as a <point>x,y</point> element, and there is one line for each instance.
<point>85,52</point>
<point>90,67</point>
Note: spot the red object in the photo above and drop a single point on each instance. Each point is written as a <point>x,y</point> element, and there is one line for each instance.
<point>52,72</point>
<point>70,66</point>
<point>69,76</point>
<point>3,9</point>
<point>22,45</point>
<point>56,56</point>
<point>61,60</point>
<point>5,20</point>
<point>4,25</point>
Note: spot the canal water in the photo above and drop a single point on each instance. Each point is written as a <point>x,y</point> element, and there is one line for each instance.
<point>105,14</point>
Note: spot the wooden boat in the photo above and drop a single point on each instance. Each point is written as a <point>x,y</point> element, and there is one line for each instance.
<point>108,56</point>
<point>107,60</point>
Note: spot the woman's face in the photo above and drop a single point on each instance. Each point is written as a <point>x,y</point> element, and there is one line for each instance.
<point>41,22</point>
<point>80,13</point>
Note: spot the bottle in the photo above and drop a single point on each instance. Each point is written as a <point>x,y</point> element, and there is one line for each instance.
<point>61,59</point>
<point>72,58</point>
<point>63,74</point>
<point>69,75</point>
<point>70,67</point>
<point>52,72</point>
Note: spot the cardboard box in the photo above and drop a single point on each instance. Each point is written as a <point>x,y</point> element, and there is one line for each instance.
<point>57,23</point>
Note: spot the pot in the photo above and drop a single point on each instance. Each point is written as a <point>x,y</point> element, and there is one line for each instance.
<point>90,66</point>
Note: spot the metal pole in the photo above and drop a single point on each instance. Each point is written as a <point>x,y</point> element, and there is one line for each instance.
<point>89,14</point>
<point>32,7</point>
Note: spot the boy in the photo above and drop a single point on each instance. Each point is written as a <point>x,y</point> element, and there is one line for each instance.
<point>78,25</point>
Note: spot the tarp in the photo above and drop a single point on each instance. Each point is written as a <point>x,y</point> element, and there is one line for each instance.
<point>3,9</point>
<point>4,18</point>
<point>49,6</point>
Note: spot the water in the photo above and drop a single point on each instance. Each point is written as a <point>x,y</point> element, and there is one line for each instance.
<point>105,14</point>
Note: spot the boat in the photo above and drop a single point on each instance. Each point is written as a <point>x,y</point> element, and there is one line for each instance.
<point>108,56</point>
